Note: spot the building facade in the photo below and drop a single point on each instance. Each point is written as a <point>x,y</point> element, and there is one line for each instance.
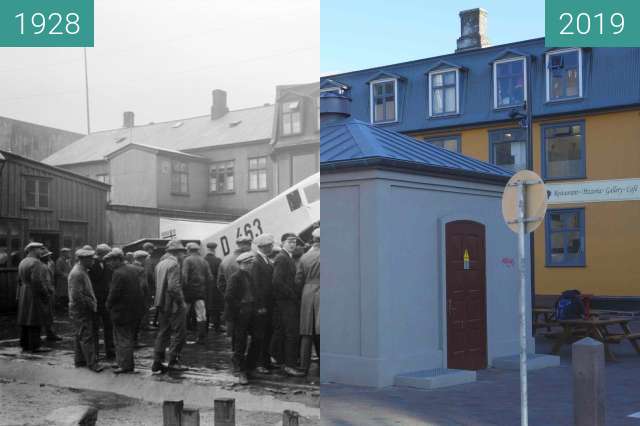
<point>585,114</point>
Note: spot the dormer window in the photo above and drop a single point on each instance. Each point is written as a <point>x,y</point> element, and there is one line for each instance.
<point>564,74</point>
<point>444,92</point>
<point>509,82</point>
<point>290,118</point>
<point>384,95</point>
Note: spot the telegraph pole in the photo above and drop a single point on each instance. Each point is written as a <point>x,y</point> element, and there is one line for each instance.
<point>86,87</point>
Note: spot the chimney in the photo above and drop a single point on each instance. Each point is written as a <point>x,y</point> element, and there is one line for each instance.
<point>334,107</point>
<point>219,107</point>
<point>473,30</point>
<point>128,120</point>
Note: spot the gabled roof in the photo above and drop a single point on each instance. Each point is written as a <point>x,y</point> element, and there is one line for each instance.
<point>442,65</point>
<point>509,53</point>
<point>244,125</point>
<point>353,143</point>
<point>384,74</point>
<point>156,150</point>
<point>329,84</point>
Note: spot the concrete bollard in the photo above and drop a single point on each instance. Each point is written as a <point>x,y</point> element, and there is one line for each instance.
<point>587,359</point>
<point>172,413</point>
<point>82,415</point>
<point>190,417</point>
<point>224,412</point>
<point>290,418</point>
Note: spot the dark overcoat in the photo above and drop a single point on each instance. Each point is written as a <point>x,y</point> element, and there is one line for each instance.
<point>196,275</point>
<point>308,278</point>
<point>32,292</point>
<point>215,299</point>
<point>126,299</point>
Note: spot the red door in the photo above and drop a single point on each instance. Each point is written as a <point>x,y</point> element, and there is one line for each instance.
<point>466,296</point>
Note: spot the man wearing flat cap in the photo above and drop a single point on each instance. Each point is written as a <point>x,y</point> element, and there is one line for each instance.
<point>170,303</point>
<point>150,263</point>
<point>32,297</point>
<point>229,266</point>
<point>195,277</point>
<point>63,267</point>
<point>215,299</point>
<point>50,307</point>
<point>240,308</point>
<point>139,258</point>
<point>285,341</point>
<point>308,278</point>
<point>125,303</point>
<point>83,307</point>
<point>100,275</point>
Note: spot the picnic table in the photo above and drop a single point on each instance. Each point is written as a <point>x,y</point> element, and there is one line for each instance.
<point>548,318</point>
<point>597,328</point>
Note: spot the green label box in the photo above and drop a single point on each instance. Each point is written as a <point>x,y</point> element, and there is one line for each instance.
<point>592,23</point>
<point>46,23</point>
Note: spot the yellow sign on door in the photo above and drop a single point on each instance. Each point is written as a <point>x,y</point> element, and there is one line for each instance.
<point>465,258</point>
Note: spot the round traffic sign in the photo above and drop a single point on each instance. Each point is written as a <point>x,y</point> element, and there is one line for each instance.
<point>535,201</point>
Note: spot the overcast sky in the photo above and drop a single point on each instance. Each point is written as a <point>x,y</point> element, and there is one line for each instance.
<point>162,58</point>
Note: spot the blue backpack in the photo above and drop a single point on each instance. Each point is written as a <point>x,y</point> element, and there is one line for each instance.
<point>569,306</point>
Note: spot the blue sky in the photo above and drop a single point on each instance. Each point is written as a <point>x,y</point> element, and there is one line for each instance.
<point>357,34</point>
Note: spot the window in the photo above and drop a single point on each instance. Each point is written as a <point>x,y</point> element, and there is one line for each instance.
<point>443,90</point>
<point>291,122</point>
<point>104,178</point>
<point>564,74</point>
<point>221,177</point>
<point>11,243</point>
<point>451,143</point>
<point>179,177</point>
<point>383,101</point>
<point>563,151</point>
<point>508,148</point>
<point>258,174</point>
<point>509,82</point>
<point>74,234</point>
<point>37,193</point>
<point>565,237</point>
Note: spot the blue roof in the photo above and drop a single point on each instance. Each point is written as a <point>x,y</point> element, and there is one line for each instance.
<point>350,142</point>
<point>611,79</point>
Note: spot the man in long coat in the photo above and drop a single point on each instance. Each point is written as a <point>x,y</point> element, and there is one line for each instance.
<point>228,267</point>
<point>61,275</point>
<point>50,307</point>
<point>139,259</point>
<point>126,304</point>
<point>215,299</point>
<point>100,275</point>
<point>308,278</point>
<point>287,299</point>
<point>32,297</point>
<point>150,271</point>
<point>82,311</point>
<point>170,303</point>
<point>196,275</point>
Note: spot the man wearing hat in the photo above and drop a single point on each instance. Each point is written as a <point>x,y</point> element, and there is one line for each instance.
<point>125,303</point>
<point>83,307</point>
<point>229,266</point>
<point>63,267</point>
<point>50,307</point>
<point>262,275</point>
<point>284,344</point>
<point>308,278</point>
<point>195,277</point>
<point>215,299</point>
<point>139,258</point>
<point>240,302</point>
<point>170,303</point>
<point>100,275</point>
<point>150,263</point>
<point>32,297</point>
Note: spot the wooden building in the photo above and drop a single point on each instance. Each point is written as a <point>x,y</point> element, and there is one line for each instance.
<point>46,204</point>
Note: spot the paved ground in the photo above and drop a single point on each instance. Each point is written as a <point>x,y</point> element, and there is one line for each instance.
<point>493,400</point>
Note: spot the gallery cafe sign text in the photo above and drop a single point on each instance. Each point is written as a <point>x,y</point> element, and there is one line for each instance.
<point>595,191</point>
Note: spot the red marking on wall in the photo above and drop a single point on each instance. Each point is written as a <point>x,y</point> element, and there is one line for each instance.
<point>508,262</point>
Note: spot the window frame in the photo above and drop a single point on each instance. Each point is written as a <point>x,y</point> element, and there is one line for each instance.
<point>37,179</point>
<point>582,260</point>
<point>492,143</point>
<point>299,111</point>
<point>548,55</point>
<point>457,138</point>
<point>583,148</point>
<point>179,191</point>
<point>495,81</point>
<point>430,95</point>
<point>249,170</point>
<point>217,164</point>
<point>395,100</point>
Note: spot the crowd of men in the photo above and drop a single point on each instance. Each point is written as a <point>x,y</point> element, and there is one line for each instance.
<point>266,300</point>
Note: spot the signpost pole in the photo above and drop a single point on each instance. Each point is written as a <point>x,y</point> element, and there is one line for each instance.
<point>522,291</point>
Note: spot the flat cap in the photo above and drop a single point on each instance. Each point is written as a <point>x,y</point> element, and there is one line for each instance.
<point>103,249</point>
<point>148,245</point>
<point>140,253</point>
<point>243,240</point>
<point>212,245</point>
<point>33,244</point>
<point>65,250</point>
<point>193,246</point>
<point>264,240</point>
<point>287,236</point>
<point>114,253</point>
<point>46,253</point>
<point>174,245</point>
<point>85,253</point>
<point>87,247</point>
<point>316,233</point>
<point>245,257</point>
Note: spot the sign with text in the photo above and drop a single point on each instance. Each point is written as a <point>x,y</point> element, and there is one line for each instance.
<point>595,191</point>
<point>592,23</point>
<point>46,23</point>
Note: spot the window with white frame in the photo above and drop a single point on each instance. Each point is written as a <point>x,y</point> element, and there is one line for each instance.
<point>443,92</point>
<point>384,94</point>
<point>221,177</point>
<point>564,74</point>
<point>258,174</point>
<point>36,193</point>
<point>451,143</point>
<point>509,148</point>
<point>509,82</point>
<point>291,118</point>
<point>179,177</point>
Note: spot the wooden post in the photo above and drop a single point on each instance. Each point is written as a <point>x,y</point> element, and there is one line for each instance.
<point>224,412</point>
<point>172,413</point>
<point>190,417</point>
<point>587,358</point>
<point>290,418</point>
